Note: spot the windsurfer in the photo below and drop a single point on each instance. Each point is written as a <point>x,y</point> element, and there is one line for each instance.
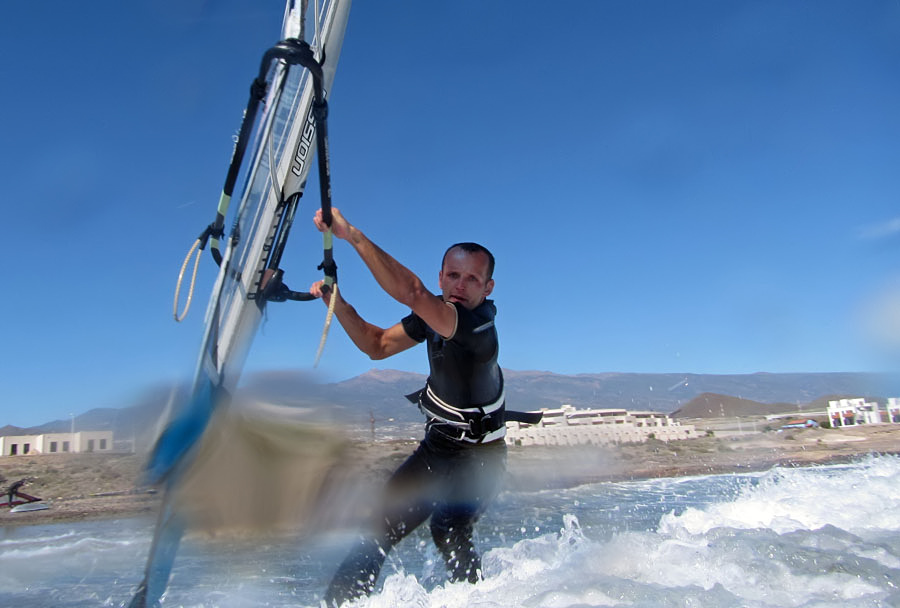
<point>15,497</point>
<point>456,470</point>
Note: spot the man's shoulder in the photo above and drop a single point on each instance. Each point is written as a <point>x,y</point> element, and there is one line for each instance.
<point>486,309</point>
<point>415,327</point>
<point>477,320</point>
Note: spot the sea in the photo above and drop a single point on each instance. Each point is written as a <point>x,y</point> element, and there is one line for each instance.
<point>820,536</point>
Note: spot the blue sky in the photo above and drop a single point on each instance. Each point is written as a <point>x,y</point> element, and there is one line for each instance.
<point>697,186</point>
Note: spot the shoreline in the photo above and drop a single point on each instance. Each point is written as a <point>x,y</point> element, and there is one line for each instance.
<point>79,487</point>
<point>561,467</point>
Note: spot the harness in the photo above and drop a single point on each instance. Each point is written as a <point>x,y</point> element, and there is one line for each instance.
<point>475,424</point>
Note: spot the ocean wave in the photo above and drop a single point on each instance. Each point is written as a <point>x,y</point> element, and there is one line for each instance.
<point>60,547</point>
<point>861,497</point>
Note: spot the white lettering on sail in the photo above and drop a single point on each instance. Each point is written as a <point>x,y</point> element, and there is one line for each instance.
<point>301,156</point>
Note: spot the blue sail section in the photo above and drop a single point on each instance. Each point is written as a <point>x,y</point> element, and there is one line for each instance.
<point>164,467</point>
<point>181,435</point>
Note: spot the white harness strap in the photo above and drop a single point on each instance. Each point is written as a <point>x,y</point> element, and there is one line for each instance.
<point>444,413</point>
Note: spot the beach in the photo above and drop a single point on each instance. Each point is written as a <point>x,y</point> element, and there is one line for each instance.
<point>95,486</point>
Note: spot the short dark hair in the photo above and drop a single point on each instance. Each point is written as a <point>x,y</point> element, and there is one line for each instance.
<point>473,248</point>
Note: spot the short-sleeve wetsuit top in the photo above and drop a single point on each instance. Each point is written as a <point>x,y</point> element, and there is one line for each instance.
<point>463,368</point>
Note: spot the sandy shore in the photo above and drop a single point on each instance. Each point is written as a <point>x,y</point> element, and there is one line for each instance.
<point>91,486</point>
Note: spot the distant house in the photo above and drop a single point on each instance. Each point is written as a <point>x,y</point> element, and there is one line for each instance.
<point>56,443</point>
<point>801,424</point>
<point>853,412</point>
<point>893,409</point>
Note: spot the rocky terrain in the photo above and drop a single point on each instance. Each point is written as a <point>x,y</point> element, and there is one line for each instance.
<point>80,486</point>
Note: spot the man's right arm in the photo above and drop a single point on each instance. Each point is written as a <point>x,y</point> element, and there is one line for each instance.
<point>376,342</point>
<point>394,278</point>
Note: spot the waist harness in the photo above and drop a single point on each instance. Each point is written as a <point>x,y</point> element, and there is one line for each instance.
<point>475,424</point>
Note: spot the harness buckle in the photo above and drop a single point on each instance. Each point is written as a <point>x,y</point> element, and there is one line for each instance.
<point>479,426</point>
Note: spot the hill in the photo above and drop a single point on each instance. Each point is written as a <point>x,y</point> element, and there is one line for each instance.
<point>668,392</point>
<point>711,405</point>
<point>378,395</point>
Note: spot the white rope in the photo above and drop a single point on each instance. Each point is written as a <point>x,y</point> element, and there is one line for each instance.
<point>187,305</point>
<point>328,317</point>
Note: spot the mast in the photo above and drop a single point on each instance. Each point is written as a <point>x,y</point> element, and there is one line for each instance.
<point>283,125</point>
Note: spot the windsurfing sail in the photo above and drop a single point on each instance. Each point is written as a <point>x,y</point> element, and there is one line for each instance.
<point>283,128</point>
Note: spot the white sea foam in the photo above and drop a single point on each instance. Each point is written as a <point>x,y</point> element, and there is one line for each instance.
<point>60,549</point>
<point>857,498</point>
<point>790,537</point>
<point>813,537</point>
<point>13,543</point>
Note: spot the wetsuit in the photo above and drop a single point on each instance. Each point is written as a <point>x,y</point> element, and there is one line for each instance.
<point>457,468</point>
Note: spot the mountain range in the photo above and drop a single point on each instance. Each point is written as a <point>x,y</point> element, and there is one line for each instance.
<point>377,396</point>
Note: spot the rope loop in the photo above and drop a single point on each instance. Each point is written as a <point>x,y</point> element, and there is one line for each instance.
<point>328,317</point>
<point>187,306</point>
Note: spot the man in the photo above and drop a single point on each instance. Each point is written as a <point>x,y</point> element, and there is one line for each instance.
<point>456,470</point>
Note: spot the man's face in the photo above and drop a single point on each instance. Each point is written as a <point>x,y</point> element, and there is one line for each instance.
<point>464,279</point>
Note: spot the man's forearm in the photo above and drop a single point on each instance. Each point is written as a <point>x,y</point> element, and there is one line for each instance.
<point>365,336</point>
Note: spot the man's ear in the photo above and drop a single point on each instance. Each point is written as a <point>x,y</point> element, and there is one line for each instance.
<point>488,287</point>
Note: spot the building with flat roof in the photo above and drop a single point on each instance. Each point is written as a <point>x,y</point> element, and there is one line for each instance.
<point>853,412</point>
<point>56,443</point>
<point>569,426</point>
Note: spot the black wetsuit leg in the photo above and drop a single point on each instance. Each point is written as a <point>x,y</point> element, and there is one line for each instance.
<point>454,483</point>
<point>406,504</point>
<point>472,480</point>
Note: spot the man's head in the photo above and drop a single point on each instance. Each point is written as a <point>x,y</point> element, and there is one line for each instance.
<point>466,274</point>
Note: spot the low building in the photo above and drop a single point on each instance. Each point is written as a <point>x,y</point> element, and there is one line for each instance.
<point>569,426</point>
<point>802,423</point>
<point>56,443</point>
<point>853,412</point>
<point>893,409</point>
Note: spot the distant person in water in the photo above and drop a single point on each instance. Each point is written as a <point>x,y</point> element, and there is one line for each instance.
<point>456,470</point>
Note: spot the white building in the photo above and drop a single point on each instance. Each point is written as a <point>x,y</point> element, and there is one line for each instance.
<point>56,443</point>
<point>569,426</point>
<point>893,409</point>
<point>853,412</point>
